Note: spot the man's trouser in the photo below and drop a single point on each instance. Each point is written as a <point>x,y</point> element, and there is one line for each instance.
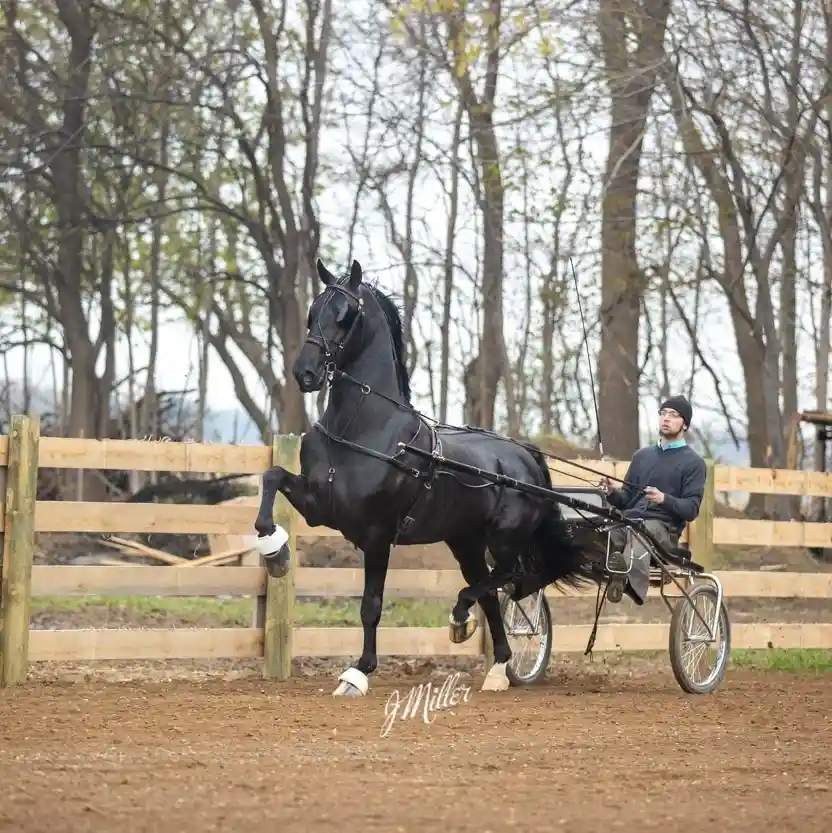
<point>622,538</point>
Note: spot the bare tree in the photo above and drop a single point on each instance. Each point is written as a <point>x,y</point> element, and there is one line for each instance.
<point>742,207</point>
<point>631,77</point>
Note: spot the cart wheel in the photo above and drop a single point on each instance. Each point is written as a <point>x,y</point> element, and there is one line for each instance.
<point>698,662</point>
<point>528,625</point>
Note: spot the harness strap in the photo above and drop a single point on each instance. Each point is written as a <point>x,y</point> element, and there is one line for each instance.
<point>363,449</point>
<point>428,476</point>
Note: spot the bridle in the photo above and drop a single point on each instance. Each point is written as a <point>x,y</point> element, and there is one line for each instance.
<point>335,351</point>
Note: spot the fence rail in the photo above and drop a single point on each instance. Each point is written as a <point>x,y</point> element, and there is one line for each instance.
<point>203,458</point>
<point>274,637</point>
<point>249,643</point>
<point>230,519</point>
<point>346,582</point>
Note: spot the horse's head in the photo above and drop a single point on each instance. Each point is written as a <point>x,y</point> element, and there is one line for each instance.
<point>335,326</point>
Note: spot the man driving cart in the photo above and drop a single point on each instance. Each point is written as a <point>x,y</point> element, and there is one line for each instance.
<point>664,487</point>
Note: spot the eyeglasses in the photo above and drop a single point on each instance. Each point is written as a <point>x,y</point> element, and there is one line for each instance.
<point>669,412</point>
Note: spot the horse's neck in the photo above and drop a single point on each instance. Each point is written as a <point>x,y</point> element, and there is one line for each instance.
<point>375,369</point>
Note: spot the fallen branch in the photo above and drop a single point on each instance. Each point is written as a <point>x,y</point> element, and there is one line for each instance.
<point>135,548</point>
<point>113,562</point>
<point>216,558</point>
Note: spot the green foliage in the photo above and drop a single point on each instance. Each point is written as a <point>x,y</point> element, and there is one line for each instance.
<point>787,660</point>
<point>228,613</point>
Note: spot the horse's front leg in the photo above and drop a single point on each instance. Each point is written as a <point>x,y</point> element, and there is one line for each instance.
<point>353,682</point>
<point>272,539</point>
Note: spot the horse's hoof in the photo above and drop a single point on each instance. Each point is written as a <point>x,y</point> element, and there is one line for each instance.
<point>277,565</point>
<point>496,679</point>
<point>352,683</point>
<point>275,551</point>
<point>462,631</point>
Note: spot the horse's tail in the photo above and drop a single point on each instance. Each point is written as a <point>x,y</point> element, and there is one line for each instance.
<point>560,559</point>
<point>552,550</point>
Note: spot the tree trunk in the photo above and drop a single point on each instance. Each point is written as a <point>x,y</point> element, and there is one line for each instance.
<point>68,276</point>
<point>447,296</point>
<point>747,334</point>
<point>480,110</point>
<point>292,416</point>
<point>492,348</point>
<point>631,80</point>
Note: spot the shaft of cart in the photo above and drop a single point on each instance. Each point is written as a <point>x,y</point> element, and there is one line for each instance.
<point>529,488</point>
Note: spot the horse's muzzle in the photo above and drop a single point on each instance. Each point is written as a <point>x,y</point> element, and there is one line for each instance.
<point>309,381</point>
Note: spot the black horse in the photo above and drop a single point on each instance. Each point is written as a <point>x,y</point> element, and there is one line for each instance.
<point>357,478</point>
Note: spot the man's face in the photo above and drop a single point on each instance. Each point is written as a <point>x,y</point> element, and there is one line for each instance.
<point>670,423</point>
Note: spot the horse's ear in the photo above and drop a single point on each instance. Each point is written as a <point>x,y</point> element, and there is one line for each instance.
<point>324,274</point>
<point>355,275</point>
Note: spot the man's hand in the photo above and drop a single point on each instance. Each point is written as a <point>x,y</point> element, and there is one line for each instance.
<point>654,495</point>
<point>605,485</point>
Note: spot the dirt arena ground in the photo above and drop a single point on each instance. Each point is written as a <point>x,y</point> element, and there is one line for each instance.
<point>583,752</point>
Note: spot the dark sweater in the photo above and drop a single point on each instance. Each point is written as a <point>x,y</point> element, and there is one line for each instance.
<point>679,472</point>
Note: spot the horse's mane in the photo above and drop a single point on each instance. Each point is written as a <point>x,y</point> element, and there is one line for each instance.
<point>394,321</point>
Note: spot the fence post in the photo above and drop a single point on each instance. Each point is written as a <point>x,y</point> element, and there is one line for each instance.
<point>18,546</point>
<point>701,534</point>
<point>279,618</point>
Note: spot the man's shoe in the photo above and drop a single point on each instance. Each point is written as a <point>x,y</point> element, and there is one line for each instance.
<point>615,588</point>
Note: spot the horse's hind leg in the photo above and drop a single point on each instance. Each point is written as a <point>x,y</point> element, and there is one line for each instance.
<point>481,588</point>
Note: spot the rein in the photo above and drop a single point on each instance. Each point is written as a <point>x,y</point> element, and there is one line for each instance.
<point>335,352</point>
<point>334,373</point>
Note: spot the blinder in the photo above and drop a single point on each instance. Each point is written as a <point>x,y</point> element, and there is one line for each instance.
<point>336,352</point>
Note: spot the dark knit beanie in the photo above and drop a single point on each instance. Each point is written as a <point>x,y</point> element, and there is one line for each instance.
<point>681,405</point>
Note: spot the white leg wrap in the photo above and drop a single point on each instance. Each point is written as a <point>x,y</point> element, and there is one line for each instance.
<point>496,679</point>
<point>352,682</point>
<point>270,544</point>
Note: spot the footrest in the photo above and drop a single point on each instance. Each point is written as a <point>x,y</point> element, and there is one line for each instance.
<point>683,561</point>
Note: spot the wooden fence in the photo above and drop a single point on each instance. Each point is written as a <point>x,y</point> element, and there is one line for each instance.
<point>274,636</point>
